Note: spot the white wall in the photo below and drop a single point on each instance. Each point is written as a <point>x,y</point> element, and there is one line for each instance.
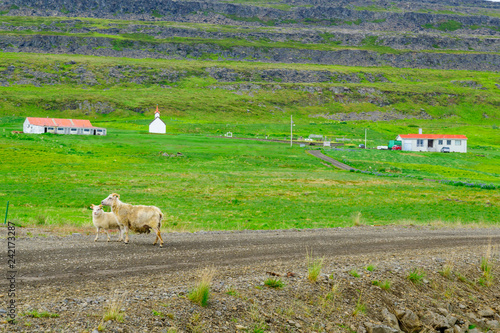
<point>157,126</point>
<point>454,148</point>
<point>28,128</point>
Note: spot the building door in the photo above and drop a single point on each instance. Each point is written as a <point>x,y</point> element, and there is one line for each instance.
<point>430,143</point>
<point>45,130</point>
<point>407,146</point>
<point>94,132</point>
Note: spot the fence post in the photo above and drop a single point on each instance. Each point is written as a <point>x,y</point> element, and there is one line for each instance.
<point>6,212</point>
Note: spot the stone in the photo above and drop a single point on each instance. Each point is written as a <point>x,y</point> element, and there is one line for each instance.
<point>493,325</point>
<point>486,312</point>
<point>451,320</point>
<point>371,328</point>
<point>390,319</point>
<point>435,320</point>
<point>410,322</point>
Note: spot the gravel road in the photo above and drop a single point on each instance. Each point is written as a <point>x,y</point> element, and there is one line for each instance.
<point>66,260</point>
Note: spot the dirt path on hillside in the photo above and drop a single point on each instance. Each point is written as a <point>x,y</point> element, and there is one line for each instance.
<point>66,260</point>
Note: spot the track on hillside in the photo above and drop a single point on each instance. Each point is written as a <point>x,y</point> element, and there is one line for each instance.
<point>335,163</point>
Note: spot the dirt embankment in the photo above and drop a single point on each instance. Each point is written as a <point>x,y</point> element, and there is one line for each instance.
<point>364,283</point>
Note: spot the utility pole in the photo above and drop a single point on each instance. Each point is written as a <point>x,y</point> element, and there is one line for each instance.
<point>365,138</point>
<point>291,131</point>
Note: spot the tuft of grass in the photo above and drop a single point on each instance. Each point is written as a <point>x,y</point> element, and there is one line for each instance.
<point>232,292</point>
<point>360,306</point>
<point>274,283</point>
<point>113,311</point>
<point>371,268</point>
<point>43,314</point>
<point>447,271</point>
<point>357,219</point>
<point>354,273</point>
<point>386,284</point>
<point>314,266</point>
<point>416,276</point>
<point>201,293</point>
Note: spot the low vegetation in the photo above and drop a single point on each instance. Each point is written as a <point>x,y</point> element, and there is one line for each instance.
<point>314,266</point>
<point>200,294</point>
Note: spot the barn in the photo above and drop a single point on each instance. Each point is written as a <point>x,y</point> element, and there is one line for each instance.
<point>157,125</point>
<point>433,142</point>
<point>61,126</point>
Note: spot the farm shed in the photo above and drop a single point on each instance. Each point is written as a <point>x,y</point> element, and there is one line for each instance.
<point>61,126</point>
<point>433,142</point>
<point>157,125</point>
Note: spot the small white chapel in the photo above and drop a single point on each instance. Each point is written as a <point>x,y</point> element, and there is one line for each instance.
<point>157,125</point>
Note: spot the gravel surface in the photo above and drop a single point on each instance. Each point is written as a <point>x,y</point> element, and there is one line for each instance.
<point>76,281</point>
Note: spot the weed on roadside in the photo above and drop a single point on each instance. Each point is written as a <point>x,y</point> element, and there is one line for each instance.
<point>386,284</point>
<point>354,273</point>
<point>416,276</point>
<point>371,267</point>
<point>200,294</point>
<point>447,271</point>
<point>274,283</point>
<point>113,311</point>
<point>43,314</point>
<point>360,306</point>
<point>314,266</point>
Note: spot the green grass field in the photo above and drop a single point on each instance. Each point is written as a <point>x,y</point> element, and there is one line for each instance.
<point>50,180</point>
<point>236,184</point>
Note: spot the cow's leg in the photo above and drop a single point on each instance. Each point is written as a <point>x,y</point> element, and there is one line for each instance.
<point>97,235</point>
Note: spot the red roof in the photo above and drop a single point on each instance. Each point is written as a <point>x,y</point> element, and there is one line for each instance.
<point>432,136</point>
<point>59,122</point>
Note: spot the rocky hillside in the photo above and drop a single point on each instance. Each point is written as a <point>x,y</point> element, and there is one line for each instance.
<point>424,34</point>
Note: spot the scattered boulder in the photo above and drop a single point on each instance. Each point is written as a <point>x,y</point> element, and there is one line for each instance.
<point>390,319</point>
<point>435,320</point>
<point>486,312</point>
<point>377,328</point>
<point>410,322</point>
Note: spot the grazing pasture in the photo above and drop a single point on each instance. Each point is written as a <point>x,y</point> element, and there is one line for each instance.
<point>50,180</point>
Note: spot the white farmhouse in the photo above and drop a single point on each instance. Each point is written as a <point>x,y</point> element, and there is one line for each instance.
<point>61,126</point>
<point>433,142</point>
<point>157,125</point>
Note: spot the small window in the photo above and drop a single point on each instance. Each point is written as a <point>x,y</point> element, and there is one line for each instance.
<point>86,130</point>
<point>99,131</point>
<point>420,143</point>
<point>458,142</point>
<point>73,130</point>
<point>51,128</point>
<point>60,129</point>
<point>440,142</point>
<point>448,142</point>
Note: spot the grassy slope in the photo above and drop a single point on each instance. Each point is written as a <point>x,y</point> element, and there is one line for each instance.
<point>224,184</point>
<point>221,184</point>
